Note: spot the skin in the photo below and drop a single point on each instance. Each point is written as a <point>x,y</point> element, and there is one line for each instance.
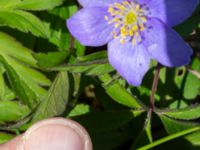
<point>51,134</point>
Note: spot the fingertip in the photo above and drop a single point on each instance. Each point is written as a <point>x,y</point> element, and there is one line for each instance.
<point>51,134</point>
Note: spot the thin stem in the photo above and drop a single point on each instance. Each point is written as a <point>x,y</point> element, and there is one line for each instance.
<point>154,87</point>
<point>170,137</point>
<point>72,43</point>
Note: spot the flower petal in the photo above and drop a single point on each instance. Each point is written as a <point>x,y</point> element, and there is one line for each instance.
<point>92,3</point>
<point>143,1</point>
<point>104,3</point>
<point>132,62</point>
<point>166,46</point>
<point>89,26</point>
<point>172,12</point>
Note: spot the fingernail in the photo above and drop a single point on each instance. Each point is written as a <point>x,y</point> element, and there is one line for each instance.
<point>56,133</point>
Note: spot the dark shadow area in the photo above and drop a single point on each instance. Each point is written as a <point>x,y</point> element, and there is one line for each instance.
<point>177,144</point>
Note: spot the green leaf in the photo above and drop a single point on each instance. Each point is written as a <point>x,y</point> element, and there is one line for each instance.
<point>25,81</point>
<point>170,137</point>
<point>29,4</point>
<point>9,95</point>
<point>60,36</point>
<point>50,59</point>
<point>55,101</point>
<point>192,83</point>
<point>100,70</point>
<point>4,137</point>
<point>79,109</point>
<point>194,138</point>
<point>92,64</point>
<point>107,120</point>
<point>174,126</point>
<point>188,113</point>
<point>118,93</point>
<point>12,111</point>
<point>105,100</point>
<point>9,46</point>
<point>93,56</point>
<point>19,86</point>
<point>2,85</point>
<point>54,30</point>
<point>27,23</point>
<point>66,10</point>
<point>38,4</point>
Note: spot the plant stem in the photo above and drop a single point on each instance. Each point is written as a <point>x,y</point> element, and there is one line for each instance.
<point>154,87</point>
<point>170,137</point>
<point>71,44</point>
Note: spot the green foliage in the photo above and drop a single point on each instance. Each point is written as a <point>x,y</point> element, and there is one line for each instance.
<point>188,113</point>
<point>106,120</point>
<point>12,111</point>
<point>54,102</point>
<point>45,72</point>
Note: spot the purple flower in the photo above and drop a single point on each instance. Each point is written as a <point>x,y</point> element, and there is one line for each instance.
<point>136,32</point>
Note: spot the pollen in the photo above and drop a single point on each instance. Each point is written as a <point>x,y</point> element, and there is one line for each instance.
<point>129,20</point>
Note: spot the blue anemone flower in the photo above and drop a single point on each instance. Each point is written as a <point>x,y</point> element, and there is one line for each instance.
<point>136,32</point>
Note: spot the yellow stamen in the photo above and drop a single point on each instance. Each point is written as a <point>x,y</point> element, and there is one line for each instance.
<point>128,19</point>
<point>135,28</point>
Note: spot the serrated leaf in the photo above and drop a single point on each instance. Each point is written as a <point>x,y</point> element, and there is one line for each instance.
<point>188,113</point>
<point>9,46</point>
<point>26,82</point>
<point>118,93</point>
<point>54,29</point>
<point>27,23</point>
<point>19,86</point>
<point>29,4</point>
<point>55,101</point>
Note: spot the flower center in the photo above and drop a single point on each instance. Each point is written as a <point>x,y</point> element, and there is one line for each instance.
<point>129,19</point>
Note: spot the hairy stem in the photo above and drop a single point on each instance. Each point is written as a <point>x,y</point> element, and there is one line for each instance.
<point>154,87</point>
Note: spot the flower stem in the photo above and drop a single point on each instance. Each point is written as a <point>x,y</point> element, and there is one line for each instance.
<point>72,43</point>
<point>154,87</point>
